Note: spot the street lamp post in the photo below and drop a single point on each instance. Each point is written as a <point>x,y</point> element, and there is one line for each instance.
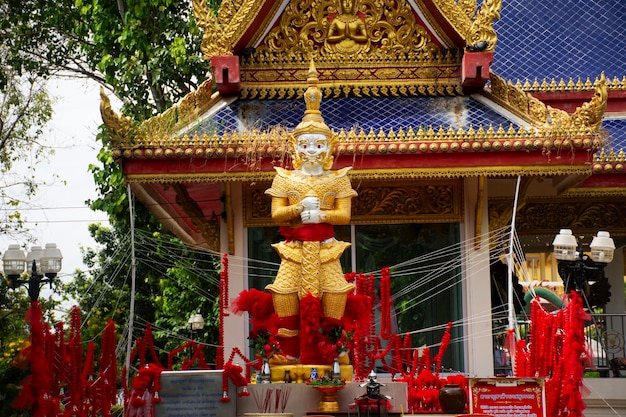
<point>41,266</point>
<point>196,322</point>
<point>578,266</point>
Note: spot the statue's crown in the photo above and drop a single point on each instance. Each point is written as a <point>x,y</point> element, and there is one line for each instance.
<point>312,122</point>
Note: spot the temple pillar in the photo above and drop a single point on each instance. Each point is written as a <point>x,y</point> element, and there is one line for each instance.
<point>477,280</point>
<point>615,274</point>
<point>236,326</point>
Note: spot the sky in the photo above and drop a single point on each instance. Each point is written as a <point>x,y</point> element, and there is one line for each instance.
<point>62,215</point>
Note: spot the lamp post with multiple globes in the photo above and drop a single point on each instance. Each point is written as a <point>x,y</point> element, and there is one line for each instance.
<point>40,265</point>
<point>196,323</point>
<point>575,265</point>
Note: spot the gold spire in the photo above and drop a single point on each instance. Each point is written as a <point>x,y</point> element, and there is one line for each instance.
<point>312,122</point>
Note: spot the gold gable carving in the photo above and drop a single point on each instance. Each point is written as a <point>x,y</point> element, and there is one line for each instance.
<point>383,33</point>
<point>382,28</point>
<point>377,202</point>
<point>389,53</point>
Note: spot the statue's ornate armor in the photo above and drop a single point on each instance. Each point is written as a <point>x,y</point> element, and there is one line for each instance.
<point>310,266</point>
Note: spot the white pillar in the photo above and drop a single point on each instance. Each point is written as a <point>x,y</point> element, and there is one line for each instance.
<point>477,283</point>
<point>615,274</point>
<point>235,327</point>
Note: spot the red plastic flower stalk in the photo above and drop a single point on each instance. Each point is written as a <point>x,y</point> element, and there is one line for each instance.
<point>385,304</point>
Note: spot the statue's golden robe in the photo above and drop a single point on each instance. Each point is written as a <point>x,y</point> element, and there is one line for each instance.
<point>310,266</point>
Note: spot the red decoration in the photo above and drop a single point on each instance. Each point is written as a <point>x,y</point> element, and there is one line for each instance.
<point>445,341</point>
<point>556,353</point>
<point>308,232</point>
<point>36,387</point>
<point>310,335</point>
<point>145,391</point>
<point>223,307</point>
<point>385,304</point>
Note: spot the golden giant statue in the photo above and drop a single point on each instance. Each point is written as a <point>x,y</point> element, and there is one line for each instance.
<point>308,201</point>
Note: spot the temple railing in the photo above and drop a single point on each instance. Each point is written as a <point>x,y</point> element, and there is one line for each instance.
<point>605,334</point>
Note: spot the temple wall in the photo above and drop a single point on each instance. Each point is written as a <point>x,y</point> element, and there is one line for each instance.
<point>477,295</point>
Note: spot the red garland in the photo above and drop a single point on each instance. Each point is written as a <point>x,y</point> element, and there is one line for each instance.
<point>235,373</point>
<point>147,334</point>
<point>310,324</point>
<point>574,351</point>
<point>223,306</point>
<point>372,293</point>
<point>555,354</point>
<point>36,386</point>
<point>350,276</point>
<point>145,391</point>
<point>521,360</point>
<point>385,304</point>
<point>414,364</point>
<point>361,284</point>
<point>60,359</point>
<point>534,333</point>
<point>397,362</point>
<point>445,341</point>
<point>107,377</point>
<point>406,351</point>
<point>75,353</point>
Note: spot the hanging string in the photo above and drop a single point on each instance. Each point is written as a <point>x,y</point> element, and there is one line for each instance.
<point>131,313</point>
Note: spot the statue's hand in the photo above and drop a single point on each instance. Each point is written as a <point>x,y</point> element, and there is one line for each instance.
<point>310,216</point>
<point>310,203</point>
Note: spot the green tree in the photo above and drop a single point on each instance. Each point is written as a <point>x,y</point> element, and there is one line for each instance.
<point>25,109</point>
<point>146,52</point>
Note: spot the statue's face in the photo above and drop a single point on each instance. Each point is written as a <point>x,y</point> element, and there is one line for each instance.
<point>312,148</point>
<point>348,6</point>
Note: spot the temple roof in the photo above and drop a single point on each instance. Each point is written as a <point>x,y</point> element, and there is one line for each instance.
<point>417,83</point>
<point>365,114</point>
<point>549,42</point>
<point>437,90</point>
<point>561,39</point>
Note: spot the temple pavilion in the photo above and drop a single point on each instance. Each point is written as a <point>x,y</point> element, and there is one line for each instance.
<point>451,114</point>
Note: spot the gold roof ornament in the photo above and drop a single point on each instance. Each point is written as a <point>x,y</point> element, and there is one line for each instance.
<point>481,36</point>
<point>119,126</point>
<point>591,113</point>
<point>548,120</point>
<point>222,32</point>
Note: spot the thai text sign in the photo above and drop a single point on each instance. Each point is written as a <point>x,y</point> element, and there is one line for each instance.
<point>508,397</point>
<point>194,394</point>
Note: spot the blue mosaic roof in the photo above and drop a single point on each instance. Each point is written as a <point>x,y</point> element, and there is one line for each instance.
<point>366,113</point>
<point>557,39</point>
<point>616,129</point>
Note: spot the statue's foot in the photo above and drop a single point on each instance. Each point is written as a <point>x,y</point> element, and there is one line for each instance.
<point>282,360</point>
